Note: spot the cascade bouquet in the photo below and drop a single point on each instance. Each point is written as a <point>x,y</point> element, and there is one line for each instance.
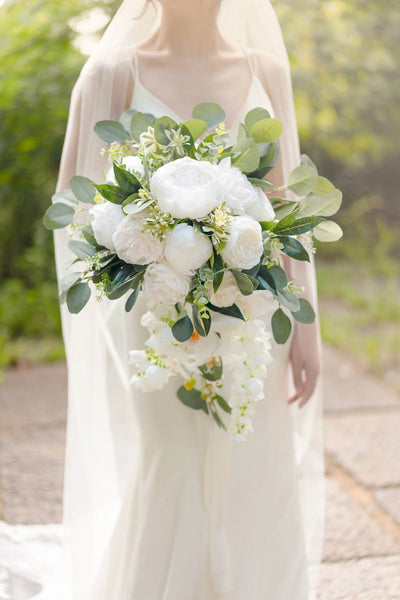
<point>193,225</point>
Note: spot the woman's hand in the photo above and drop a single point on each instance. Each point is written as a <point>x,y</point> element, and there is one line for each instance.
<point>304,357</point>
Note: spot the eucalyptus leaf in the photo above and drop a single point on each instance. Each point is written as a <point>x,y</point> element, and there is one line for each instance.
<point>244,282</point>
<point>279,276</point>
<point>135,207</point>
<point>58,215</point>
<point>129,304</point>
<point>262,183</point>
<point>248,157</point>
<point>325,205</point>
<point>196,127</point>
<point>201,325</point>
<point>68,280</point>
<point>230,311</point>
<point>289,300</point>
<point>182,329</point>
<point>66,195</point>
<point>281,326</point>
<point>267,130</point>
<point>83,189</point>
<point>81,249</point>
<point>302,180</point>
<point>160,125</point>
<point>299,226</point>
<point>139,124</point>
<point>191,398</point>
<point>306,312</point>
<point>323,186</point>
<point>210,112</point>
<point>306,160</point>
<point>255,115</point>
<point>223,403</point>
<point>111,131</point>
<point>212,372</point>
<point>126,117</point>
<point>87,232</point>
<point>328,231</point>
<point>77,297</point>
<point>217,418</point>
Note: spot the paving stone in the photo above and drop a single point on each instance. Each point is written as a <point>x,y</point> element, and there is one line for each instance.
<point>367,445</point>
<point>347,389</point>
<point>349,530</point>
<point>365,579</point>
<point>31,474</point>
<point>35,395</point>
<point>389,499</point>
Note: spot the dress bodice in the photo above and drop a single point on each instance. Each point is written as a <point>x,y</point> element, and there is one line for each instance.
<point>145,101</point>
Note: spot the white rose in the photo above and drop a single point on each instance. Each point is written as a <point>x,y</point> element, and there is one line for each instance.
<point>186,249</point>
<point>261,208</point>
<point>227,293</point>
<point>244,247</point>
<point>131,163</point>
<point>187,188</point>
<point>135,246</point>
<point>162,284</point>
<point>107,217</point>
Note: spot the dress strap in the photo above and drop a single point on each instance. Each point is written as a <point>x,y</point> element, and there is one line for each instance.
<point>133,63</point>
<point>249,63</point>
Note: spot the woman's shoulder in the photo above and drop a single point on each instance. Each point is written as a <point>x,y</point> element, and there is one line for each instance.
<point>267,67</point>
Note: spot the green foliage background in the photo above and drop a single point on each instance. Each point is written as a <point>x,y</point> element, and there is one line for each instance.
<point>345,62</point>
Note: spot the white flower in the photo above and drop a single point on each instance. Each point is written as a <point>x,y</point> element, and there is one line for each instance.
<point>107,217</point>
<point>259,304</point>
<point>261,208</point>
<point>154,378</point>
<point>227,293</point>
<point>186,249</point>
<point>239,193</point>
<point>135,246</point>
<point>244,247</point>
<point>162,284</point>
<point>130,163</point>
<point>187,188</point>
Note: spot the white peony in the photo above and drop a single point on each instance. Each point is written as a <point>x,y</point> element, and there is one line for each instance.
<point>244,247</point>
<point>130,163</point>
<point>186,249</point>
<point>162,284</point>
<point>187,188</point>
<point>239,193</point>
<point>227,293</point>
<point>107,217</point>
<point>135,246</point>
<point>260,304</point>
<point>261,208</point>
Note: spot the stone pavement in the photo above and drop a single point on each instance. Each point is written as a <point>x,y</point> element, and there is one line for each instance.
<point>362,439</point>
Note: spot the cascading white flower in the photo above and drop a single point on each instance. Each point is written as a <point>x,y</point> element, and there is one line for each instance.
<point>186,249</point>
<point>244,247</point>
<point>135,246</point>
<point>162,283</point>
<point>187,188</point>
<point>107,217</point>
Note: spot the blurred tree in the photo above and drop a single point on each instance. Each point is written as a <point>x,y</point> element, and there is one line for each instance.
<point>345,57</point>
<point>39,65</point>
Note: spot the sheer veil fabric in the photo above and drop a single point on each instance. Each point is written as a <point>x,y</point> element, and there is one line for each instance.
<point>102,435</point>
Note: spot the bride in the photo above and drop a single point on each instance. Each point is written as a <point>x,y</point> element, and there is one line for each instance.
<point>159,504</point>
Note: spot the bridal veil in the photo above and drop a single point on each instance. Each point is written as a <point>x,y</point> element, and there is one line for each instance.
<point>101,432</point>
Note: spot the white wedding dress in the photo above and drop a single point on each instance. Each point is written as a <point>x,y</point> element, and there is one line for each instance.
<point>201,517</point>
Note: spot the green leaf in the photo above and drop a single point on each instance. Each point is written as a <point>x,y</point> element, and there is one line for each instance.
<point>160,125</point>
<point>191,398</point>
<point>306,312</point>
<point>242,133</point>
<point>125,179</point>
<point>299,226</point>
<point>212,372</point>
<point>126,117</point>
<point>244,282</point>
<point>81,249</point>
<point>266,280</point>
<point>68,280</point>
<point>139,124</point>
<point>118,291</point>
<point>306,160</point>
<point>323,186</point>
<point>231,311</point>
<point>281,326</point>
<point>210,112</point>
<point>289,300</point>
<point>294,248</point>
<point>132,207</point>
<point>255,115</point>
<point>87,232</point>
<point>77,297</point>
<point>325,205</point>
<point>262,183</point>
<point>124,272</point>
<point>58,215</point>
<point>217,418</point>
<point>248,157</point>
<point>112,193</point>
<point>182,329</point>
<point>223,403</point>
<point>202,326</point>
<point>267,130</point>
<point>196,127</point>
<point>111,131</point>
<point>132,299</point>
<point>83,189</point>
<point>302,180</point>
<point>278,275</point>
<point>217,268</point>
<point>328,231</point>
<point>67,195</point>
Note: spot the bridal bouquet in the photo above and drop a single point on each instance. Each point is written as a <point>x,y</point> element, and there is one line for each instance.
<point>193,225</point>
